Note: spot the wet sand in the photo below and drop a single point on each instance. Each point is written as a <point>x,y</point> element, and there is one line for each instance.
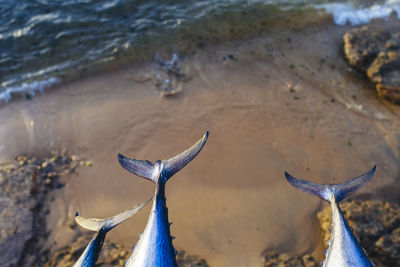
<point>286,101</point>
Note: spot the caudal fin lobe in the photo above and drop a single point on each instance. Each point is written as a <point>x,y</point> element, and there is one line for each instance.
<point>162,169</point>
<point>95,224</point>
<point>326,191</point>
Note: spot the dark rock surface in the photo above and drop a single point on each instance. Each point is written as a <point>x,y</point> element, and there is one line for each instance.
<point>375,223</point>
<point>384,72</point>
<point>287,260</point>
<point>112,254</point>
<point>185,260</point>
<point>16,217</point>
<point>376,52</point>
<point>362,45</point>
<point>24,184</point>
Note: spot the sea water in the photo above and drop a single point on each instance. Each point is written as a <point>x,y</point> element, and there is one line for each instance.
<point>44,42</point>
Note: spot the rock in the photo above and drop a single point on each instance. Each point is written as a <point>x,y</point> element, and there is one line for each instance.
<point>16,217</point>
<point>363,44</point>
<point>184,260</point>
<point>375,223</point>
<point>23,187</point>
<point>376,52</point>
<point>389,246</point>
<point>309,261</point>
<point>23,210</point>
<point>112,254</point>
<point>287,260</point>
<point>384,72</point>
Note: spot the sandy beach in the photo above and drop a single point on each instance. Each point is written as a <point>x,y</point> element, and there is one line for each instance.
<point>286,100</point>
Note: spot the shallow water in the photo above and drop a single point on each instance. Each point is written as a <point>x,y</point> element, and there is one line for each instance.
<point>277,107</point>
<point>45,42</point>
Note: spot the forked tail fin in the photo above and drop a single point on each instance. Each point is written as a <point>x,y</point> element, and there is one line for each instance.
<point>109,223</point>
<point>326,191</point>
<point>161,171</point>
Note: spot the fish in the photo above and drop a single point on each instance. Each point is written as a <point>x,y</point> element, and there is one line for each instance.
<point>154,248</point>
<point>101,226</point>
<point>344,249</point>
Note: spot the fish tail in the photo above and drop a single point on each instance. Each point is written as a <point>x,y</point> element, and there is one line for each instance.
<point>160,171</point>
<point>327,191</point>
<point>106,225</point>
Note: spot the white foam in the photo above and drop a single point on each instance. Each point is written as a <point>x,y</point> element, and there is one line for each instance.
<point>30,88</point>
<point>344,13</point>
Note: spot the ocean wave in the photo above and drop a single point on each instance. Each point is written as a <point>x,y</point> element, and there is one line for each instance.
<point>344,13</point>
<point>27,88</point>
<point>41,39</point>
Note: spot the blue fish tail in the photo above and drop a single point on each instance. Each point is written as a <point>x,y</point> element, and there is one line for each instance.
<point>160,171</point>
<point>101,226</point>
<point>328,191</point>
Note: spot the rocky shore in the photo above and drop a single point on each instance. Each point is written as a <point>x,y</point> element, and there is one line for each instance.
<point>24,187</point>
<point>26,182</point>
<point>375,223</point>
<point>112,254</point>
<point>287,100</point>
<point>24,204</point>
<point>289,260</point>
<point>376,53</point>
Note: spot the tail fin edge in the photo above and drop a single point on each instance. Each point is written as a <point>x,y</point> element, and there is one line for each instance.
<point>165,168</point>
<point>107,224</point>
<point>327,191</point>
<point>308,187</point>
<point>175,164</point>
<point>345,189</point>
<point>142,168</point>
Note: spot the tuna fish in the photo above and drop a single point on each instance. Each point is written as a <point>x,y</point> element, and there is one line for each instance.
<point>154,248</point>
<point>102,226</point>
<point>343,250</point>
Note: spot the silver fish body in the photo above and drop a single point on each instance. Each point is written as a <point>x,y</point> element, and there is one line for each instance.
<point>91,253</point>
<point>154,248</point>
<point>155,245</point>
<point>344,249</point>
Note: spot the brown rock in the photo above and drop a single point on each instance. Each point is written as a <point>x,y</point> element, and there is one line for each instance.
<point>309,261</point>
<point>377,53</point>
<point>287,260</point>
<point>362,45</point>
<point>112,254</point>
<point>16,217</point>
<point>388,246</point>
<point>184,260</point>
<point>22,218</point>
<point>384,72</point>
<point>23,210</point>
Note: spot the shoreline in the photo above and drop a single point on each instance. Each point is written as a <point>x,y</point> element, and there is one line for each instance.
<point>140,37</point>
<point>210,31</point>
<point>273,105</point>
